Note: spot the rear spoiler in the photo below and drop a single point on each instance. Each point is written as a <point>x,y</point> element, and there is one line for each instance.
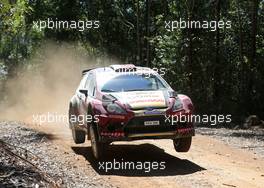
<point>85,71</point>
<point>124,68</point>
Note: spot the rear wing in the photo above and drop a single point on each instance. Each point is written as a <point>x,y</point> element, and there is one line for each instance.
<point>124,68</point>
<point>85,71</point>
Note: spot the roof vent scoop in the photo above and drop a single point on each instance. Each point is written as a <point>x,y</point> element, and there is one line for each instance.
<point>85,71</point>
<point>124,68</point>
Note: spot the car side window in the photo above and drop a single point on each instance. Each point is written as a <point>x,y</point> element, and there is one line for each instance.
<point>82,83</point>
<point>91,87</point>
<point>90,84</point>
<point>88,81</point>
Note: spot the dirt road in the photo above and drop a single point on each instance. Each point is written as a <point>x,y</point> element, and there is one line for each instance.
<point>210,162</point>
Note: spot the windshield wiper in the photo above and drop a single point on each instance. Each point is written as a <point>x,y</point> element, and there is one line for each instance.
<point>108,90</point>
<point>140,90</point>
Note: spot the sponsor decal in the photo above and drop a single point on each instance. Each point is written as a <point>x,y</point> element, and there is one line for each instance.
<point>141,99</point>
<point>153,112</point>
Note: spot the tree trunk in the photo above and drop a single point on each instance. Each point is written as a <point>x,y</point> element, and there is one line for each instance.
<point>243,73</point>
<point>147,33</point>
<point>217,67</point>
<point>255,5</point>
<point>190,44</point>
<point>254,20</point>
<point>138,36</point>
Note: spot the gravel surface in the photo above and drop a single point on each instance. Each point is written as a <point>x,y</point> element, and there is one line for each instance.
<point>50,162</point>
<point>61,167</point>
<point>246,139</point>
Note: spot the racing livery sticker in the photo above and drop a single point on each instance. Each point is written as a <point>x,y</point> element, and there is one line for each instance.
<point>141,99</point>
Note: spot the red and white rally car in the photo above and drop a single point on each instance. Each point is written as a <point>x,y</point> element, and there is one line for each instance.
<point>126,102</point>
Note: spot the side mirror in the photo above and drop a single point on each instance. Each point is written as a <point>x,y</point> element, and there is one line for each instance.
<point>173,94</point>
<point>84,91</point>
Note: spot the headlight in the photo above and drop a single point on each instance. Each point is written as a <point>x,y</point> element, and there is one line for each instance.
<point>115,109</point>
<point>177,105</point>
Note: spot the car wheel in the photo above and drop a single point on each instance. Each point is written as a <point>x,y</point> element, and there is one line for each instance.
<point>98,148</point>
<point>182,144</point>
<point>78,136</point>
<point>70,113</point>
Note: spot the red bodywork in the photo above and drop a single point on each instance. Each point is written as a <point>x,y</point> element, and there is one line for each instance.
<point>106,119</point>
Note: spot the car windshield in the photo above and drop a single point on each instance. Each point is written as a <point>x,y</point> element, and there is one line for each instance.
<point>132,83</point>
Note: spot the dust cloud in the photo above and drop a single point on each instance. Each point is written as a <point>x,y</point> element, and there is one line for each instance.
<point>47,83</point>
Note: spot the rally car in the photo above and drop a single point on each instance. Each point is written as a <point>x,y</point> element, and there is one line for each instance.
<point>125,103</point>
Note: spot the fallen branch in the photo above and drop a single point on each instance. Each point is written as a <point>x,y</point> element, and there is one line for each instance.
<point>44,175</point>
<point>25,150</point>
<point>229,185</point>
<point>245,147</point>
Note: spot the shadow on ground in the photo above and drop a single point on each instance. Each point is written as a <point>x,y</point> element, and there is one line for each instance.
<point>140,157</point>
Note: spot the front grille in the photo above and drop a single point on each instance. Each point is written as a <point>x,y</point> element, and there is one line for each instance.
<point>139,121</point>
<point>144,108</point>
<point>136,125</point>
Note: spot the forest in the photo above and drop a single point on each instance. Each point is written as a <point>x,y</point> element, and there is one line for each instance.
<point>221,69</point>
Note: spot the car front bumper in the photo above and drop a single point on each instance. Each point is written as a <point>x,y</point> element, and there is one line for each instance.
<point>132,127</point>
<point>140,136</point>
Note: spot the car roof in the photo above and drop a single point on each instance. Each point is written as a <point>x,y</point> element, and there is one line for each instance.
<point>115,70</point>
<point>120,68</point>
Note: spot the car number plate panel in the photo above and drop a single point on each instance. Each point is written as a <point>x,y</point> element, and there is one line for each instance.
<point>149,123</point>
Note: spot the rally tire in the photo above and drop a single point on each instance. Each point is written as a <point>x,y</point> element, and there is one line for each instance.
<point>98,148</point>
<point>78,136</point>
<point>70,113</point>
<point>182,144</point>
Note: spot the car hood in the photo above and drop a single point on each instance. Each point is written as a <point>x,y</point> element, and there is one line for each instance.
<point>142,99</point>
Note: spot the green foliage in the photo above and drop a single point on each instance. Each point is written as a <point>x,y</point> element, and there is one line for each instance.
<point>220,69</point>
<point>17,37</point>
